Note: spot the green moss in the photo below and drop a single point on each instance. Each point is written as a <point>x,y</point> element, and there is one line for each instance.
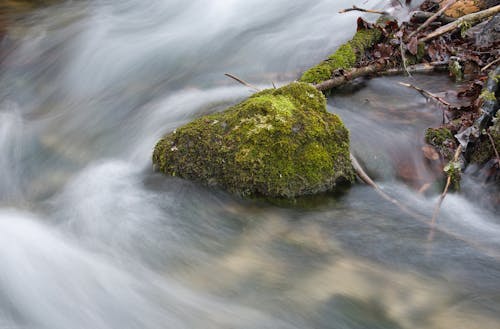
<point>455,70</point>
<point>278,143</point>
<point>345,57</point>
<point>441,139</point>
<point>454,171</point>
<point>437,136</point>
<point>488,95</point>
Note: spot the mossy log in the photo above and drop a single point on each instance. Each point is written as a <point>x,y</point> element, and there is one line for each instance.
<point>277,143</point>
<point>345,57</point>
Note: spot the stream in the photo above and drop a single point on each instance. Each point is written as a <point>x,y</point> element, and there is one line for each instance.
<point>91,237</point>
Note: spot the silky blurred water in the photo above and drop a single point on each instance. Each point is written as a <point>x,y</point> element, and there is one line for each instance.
<point>91,237</point>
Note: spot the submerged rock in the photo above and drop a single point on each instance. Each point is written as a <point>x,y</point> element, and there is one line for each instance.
<point>277,143</point>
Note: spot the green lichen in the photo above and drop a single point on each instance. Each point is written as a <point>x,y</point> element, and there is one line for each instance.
<point>345,57</point>
<point>487,95</point>
<point>277,143</point>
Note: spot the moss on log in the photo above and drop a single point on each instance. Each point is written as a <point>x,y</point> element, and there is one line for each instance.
<point>345,57</point>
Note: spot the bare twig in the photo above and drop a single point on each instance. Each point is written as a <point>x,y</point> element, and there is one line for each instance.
<point>490,64</point>
<point>428,94</point>
<point>470,19</point>
<point>243,82</point>
<point>355,8</point>
<point>442,196</point>
<point>432,18</point>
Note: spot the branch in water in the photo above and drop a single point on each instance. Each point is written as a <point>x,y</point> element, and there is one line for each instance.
<point>243,82</point>
<point>355,8</point>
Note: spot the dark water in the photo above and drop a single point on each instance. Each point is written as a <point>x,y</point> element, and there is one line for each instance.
<point>90,237</point>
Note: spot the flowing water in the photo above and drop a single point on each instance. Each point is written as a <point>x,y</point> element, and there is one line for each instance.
<point>91,237</point>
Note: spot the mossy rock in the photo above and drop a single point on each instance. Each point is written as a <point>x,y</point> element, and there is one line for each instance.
<point>277,143</point>
<point>346,56</point>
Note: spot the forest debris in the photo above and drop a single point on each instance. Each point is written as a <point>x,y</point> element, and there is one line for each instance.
<point>422,16</point>
<point>490,64</point>
<point>467,20</point>
<point>432,18</point>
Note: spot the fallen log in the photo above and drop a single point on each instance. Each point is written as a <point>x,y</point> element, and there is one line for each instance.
<point>378,69</point>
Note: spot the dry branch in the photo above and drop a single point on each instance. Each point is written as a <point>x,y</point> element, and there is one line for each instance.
<point>470,19</point>
<point>427,94</point>
<point>355,8</point>
<point>367,180</point>
<point>379,69</point>
<point>243,82</point>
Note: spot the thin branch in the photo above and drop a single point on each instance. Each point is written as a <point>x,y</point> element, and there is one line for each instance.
<point>403,57</point>
<point>428,94</point>
<point>442,196</point>
<point>432,18</point>
<point>494,147</point>
<point>471,19</point>
<point>355,8</point>
<point>490,64</point>
<point>243,82</point>
<point>366,179</point>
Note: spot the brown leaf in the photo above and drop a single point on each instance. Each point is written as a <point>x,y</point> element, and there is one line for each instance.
<point>413,46</point>
<point>430,153</point>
